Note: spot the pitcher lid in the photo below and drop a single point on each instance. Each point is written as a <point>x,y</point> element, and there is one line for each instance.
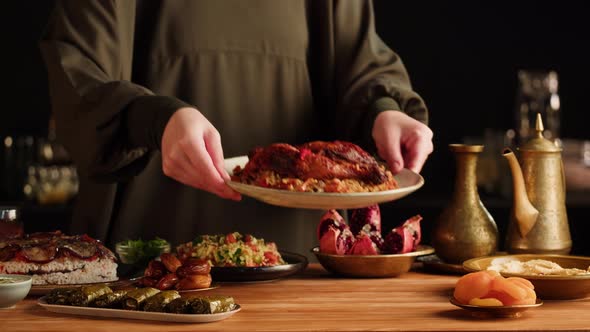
<point>539,142</point>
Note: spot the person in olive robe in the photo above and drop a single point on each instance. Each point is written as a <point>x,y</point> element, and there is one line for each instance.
<point>149,97</point>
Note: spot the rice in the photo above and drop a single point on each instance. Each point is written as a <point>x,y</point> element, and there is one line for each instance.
<point>62,271</point>
<point>271,179</point>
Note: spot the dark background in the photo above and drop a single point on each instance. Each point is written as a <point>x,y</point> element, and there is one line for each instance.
<point>462,56</point>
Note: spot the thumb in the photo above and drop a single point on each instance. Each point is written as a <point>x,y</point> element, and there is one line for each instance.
<point>395,161</point>
<point>392,154</point>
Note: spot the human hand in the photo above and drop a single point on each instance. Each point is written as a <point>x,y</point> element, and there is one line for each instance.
<point>192,153</point>
<point>402,141</point>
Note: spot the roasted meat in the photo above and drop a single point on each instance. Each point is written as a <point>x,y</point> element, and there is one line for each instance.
<point>317,160</point>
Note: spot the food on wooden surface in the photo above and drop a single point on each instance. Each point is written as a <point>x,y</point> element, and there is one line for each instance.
<point>158,302</point>
<point>338,238</point>
<point>533,267</point>
<point>338,167</point>
<point>171,272</point>
<point>56,258</point>
<point>142,299</point>
<point>60,296</point>
<point>83,296</point>
<point>111,300</point>
<point>202,305</point>
<point>135,299</point>
<point>170,261</point>
<point>489,288</point>
<point>233,249</point>
<point>212,304</point>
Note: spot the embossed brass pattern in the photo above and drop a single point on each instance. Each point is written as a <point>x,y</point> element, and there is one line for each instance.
<point>465,229</point>
<point>542,171</point>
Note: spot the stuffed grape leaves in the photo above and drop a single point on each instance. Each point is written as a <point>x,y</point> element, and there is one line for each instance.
<point>111,300</point>
<point>85,295</point>
<point>159,301</point>
<point>212,304</point>
<point>135,299</point>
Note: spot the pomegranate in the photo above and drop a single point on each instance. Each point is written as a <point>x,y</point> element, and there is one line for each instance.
<point>330,218</point>
<point>404,238</point>
<point>335,241</point>
<point>363,245</point>
<point>370,215</point>
<point>413,224</point>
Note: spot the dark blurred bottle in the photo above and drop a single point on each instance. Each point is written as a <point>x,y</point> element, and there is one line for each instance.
<point>10,223</point>
<point>537,93</point>
<point>53,178</point>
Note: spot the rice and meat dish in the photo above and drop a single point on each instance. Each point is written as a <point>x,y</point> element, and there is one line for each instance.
<point>233,249</point>
<point>336,167</point>
<point>56,258</point>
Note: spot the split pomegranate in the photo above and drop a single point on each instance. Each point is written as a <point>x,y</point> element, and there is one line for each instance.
<point>363,236</point>
<point>370,215</point>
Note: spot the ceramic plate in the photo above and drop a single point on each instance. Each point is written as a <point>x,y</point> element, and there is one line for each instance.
<point>295,263</point>
<point>130,314</point>
<point>547,287</point>
<point>408,182</point>
<point>370,266</point>
<point>44,289</point>
<point>508,311</point>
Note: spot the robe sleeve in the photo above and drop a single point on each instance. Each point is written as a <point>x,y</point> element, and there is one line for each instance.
<point>109,125</point>
<point>356,75</point>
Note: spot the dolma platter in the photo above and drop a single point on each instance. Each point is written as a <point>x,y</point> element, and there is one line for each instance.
<point>131,314</point>
<point>407,180</point>
<point>295,263</point>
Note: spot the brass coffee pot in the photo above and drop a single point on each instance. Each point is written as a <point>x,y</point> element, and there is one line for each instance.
<point>538,220</point>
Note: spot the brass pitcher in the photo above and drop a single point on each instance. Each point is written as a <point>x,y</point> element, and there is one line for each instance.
<point>538,220</point>
<point>465,229</point>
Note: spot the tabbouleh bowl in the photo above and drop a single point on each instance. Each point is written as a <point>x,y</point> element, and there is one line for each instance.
<point>232,249</point>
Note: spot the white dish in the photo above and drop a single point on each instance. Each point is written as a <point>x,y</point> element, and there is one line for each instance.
<point>130,314</point>
<point>15,290</point>
<point>408,182</point>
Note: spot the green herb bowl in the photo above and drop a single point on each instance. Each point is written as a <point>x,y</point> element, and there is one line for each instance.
<point>138,252</point>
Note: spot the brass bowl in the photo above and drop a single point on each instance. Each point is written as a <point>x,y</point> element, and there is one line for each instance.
<point>506,311</point>
<point>547,287</point>
<point>370,266</point>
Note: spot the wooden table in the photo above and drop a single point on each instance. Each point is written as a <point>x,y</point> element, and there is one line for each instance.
<point>317,301</point>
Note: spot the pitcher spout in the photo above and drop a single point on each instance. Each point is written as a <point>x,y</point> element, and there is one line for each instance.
<point>524,212</point>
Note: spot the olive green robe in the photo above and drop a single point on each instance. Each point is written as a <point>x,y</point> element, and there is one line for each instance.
<point>262,71</point>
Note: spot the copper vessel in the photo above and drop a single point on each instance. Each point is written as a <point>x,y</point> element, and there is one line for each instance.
<point>465,229</point>
<point>538,221</point>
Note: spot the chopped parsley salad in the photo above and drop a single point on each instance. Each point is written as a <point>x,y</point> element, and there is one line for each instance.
<point>232,249</point>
